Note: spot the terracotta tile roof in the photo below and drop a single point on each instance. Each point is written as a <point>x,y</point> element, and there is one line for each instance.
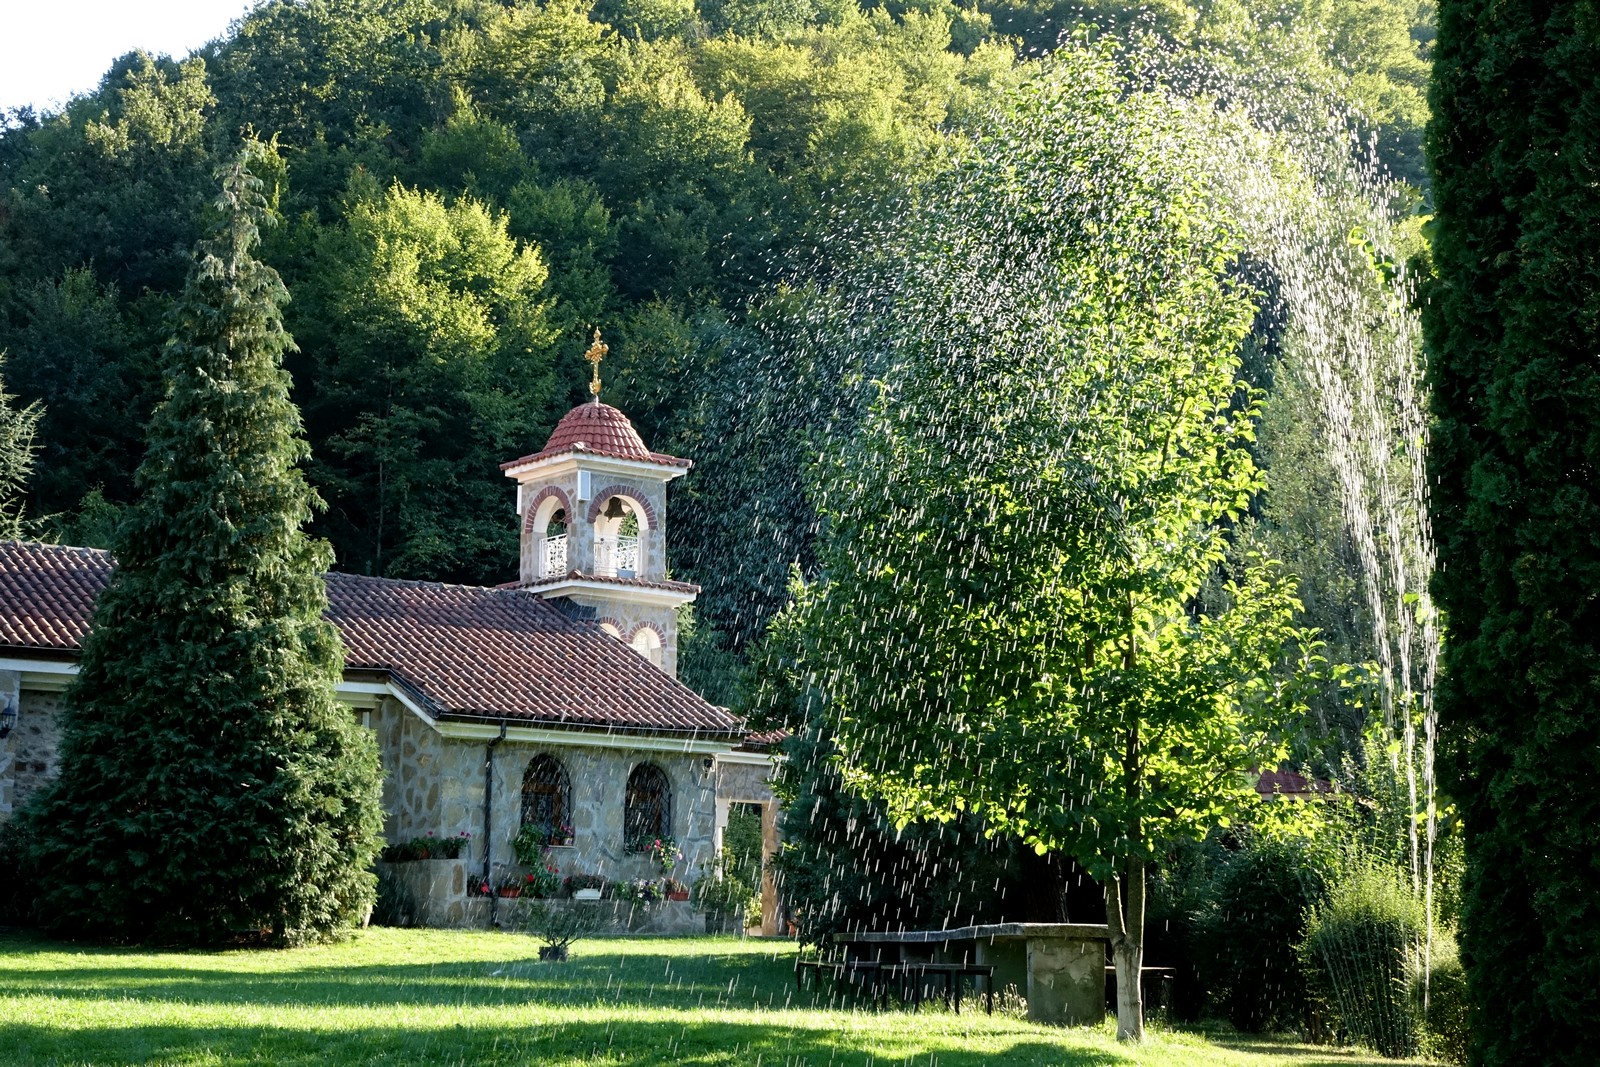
<point>611,579</point>
<point>600,430</point>
<point>47,594</point>
<point>763,740</point>
<point>505,652</point>
<point>467,651</point>
<point>1288,783</point>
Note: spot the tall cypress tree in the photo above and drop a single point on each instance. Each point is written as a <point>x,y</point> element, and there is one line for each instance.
<point>211,788</point>
<point>1513,324</point>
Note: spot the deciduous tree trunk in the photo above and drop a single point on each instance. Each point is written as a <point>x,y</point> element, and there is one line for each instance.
<point>1127,948</point>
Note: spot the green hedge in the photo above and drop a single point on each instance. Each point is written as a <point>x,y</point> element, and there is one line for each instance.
<point>1246,939</point>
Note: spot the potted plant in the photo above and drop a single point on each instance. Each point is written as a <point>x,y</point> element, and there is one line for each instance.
<point>675,890</point>
<point>511,886</point>
<point>665,854</point>
<point>584,886</point>
<point>529,845</point>
<point>427,847</point>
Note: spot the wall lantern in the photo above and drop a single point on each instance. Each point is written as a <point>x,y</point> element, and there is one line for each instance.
<point>10,701</point>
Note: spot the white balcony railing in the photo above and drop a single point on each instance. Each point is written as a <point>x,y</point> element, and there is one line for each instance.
<point>617,556</point>
<point>555,556</point>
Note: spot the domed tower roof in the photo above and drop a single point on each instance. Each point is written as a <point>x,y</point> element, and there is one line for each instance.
<point>600,430</point>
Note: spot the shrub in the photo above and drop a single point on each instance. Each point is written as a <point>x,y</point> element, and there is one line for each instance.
<point>1444,1035</point>
<point>1357,952</point>
<point>559,925</point>
<point>1247,937</point>
<point>394,905</point>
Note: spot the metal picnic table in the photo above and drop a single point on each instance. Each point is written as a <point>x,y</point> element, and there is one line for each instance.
<point>1059,966</point>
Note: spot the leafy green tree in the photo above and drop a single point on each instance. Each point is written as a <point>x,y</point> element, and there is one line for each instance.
<point>211,787</point>
<point>433,367</point>
<point>1005,621</point>
<point>73,344</point>
<point>17,425</point>
<point>1513,324</point>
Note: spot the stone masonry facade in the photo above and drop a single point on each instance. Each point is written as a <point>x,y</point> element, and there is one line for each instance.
<point>28,757</point>
<point>436,784</point>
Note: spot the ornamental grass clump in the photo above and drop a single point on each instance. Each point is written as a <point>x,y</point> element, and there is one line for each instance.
<point>1358,953</point>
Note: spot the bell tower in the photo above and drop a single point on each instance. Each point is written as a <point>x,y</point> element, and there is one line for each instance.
<point>593,509</point>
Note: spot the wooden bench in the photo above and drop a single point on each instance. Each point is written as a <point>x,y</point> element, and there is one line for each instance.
<point>1155,987</point>
<point>1058,966</point>
<point>952,973</point>
<point>876,977</point>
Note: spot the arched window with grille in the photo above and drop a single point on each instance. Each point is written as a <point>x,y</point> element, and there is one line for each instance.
<point>547,799</point>
<point>647,811</point>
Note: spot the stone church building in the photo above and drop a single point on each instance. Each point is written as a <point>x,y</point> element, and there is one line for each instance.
<point>551,700</point>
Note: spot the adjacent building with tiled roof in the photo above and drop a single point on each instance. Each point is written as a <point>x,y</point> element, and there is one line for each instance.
<point>551,701</point>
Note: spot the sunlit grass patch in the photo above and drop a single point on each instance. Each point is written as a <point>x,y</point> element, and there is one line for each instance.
<point>453,997</point>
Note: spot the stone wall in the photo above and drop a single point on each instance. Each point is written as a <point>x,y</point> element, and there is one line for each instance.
<point>434,784</point>
<point>744,782</point>
<point>627,616</point>
<point>410,751</point>
<point>28,758</point>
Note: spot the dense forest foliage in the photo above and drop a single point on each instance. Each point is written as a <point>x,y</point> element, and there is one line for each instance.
<point>469,187</point>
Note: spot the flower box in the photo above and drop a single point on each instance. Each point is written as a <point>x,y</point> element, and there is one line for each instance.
<point>586,894</point>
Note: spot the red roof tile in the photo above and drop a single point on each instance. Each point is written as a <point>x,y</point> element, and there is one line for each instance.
<point>468,651</point>
<point>47,594</point>
<point>601,430</point>
<point>1288,783</point>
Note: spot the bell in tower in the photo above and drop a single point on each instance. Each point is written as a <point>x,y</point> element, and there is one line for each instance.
<point>593,508</point>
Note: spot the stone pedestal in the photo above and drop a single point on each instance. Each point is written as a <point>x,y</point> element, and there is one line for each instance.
<point>432,892</point>
<point>1066,981</point>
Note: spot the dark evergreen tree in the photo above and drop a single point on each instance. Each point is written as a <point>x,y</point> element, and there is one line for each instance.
<point>211,788</point>
<point>1513,322</point>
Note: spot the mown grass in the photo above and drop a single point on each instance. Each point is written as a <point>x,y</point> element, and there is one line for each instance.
<point>464,998</point>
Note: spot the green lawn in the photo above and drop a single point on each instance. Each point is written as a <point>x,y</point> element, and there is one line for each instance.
<point>446,997</point>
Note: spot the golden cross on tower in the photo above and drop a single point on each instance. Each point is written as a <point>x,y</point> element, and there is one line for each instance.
<point>597,352</point>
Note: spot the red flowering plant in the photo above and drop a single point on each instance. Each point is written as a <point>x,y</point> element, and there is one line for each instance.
<point>543,881</point>
<point>665,853</point>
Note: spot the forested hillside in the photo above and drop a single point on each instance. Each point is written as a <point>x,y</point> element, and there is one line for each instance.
<point>469,187</point>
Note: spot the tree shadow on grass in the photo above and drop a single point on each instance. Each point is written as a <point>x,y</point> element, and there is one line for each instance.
<point>637,979</point>
<point>1324,1057</point>
<point>692,1044</point>
<point>616,1007</point>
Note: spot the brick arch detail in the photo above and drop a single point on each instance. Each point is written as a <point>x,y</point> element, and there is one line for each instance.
<point>539,498</point>
<point>598,504</point>
<point>614,622</point>
<point>653,628</point>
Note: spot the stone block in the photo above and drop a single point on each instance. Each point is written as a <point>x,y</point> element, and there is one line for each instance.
<point>1066,981</point>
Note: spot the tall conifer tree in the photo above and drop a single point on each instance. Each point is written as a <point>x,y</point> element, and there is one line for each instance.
<point>211,787</point>
<point>1513,323</point>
